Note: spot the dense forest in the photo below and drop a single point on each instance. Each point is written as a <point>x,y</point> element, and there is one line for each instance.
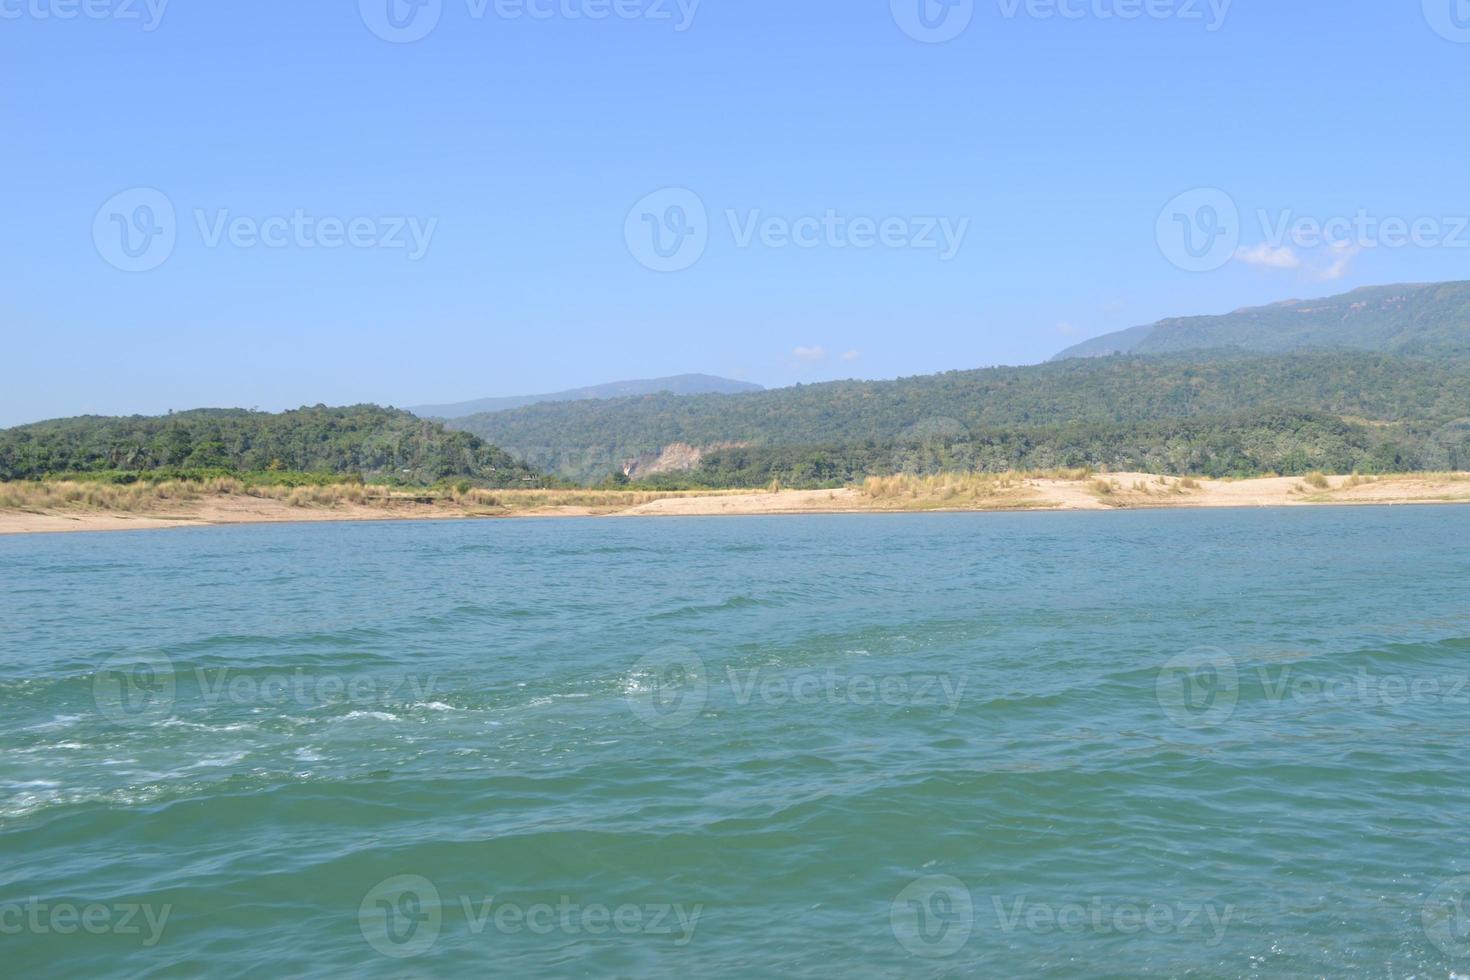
<point>363,441</point>
<point>1270,441</point>
<point>1086,411</point>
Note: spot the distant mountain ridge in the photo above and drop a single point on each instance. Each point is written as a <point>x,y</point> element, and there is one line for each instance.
<point>683,384</point>
<point>1412,319</point>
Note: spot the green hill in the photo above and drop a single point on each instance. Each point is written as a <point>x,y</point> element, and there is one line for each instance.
<point>1391,397</point>
<point>1420,319</point>
<point>362,441</point>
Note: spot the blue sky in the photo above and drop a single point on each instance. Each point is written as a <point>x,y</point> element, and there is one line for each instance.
<point>530,153</point>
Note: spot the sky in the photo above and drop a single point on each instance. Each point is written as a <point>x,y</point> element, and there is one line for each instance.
<point>279,203</point>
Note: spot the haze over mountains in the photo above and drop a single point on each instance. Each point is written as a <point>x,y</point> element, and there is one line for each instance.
<point>683,384</point>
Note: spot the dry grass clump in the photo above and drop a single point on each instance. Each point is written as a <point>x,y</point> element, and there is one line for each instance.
<point>35,496</point>
<point>1318,479</point>
<point>509,501</point>
<point>946,490</point>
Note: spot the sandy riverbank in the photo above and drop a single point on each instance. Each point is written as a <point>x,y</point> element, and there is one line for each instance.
<point>1109,492</point>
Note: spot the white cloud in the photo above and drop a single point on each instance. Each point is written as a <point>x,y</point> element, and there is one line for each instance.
<point>1341,263</point>
<point>809,353</point>
<point>851,355</point>
<point>1268,256</point>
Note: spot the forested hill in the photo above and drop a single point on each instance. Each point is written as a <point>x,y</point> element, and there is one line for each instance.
<point>1422,319</point>
<point>589,440</point>
<point>364,440</point>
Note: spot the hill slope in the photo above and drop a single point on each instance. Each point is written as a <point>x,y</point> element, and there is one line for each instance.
<point>363,440</point>
<point>1407,319</point>
<point>590,440</point>
<point>684,384</point>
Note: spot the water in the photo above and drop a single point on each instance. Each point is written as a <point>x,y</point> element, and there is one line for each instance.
<point>1124,744</point>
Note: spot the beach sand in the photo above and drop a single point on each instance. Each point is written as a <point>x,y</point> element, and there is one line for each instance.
<point>1115,491</point>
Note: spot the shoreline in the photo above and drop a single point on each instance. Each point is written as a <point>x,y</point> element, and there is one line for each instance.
<point>897,495</point>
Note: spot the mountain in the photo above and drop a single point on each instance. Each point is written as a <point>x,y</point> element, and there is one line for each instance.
<point>1131,398</point>
<point>1406,319</point>
<point>684,384</point>
<point>363,440</point>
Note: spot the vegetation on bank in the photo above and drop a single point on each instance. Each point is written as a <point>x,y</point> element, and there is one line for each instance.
<point>317,445</point>
<point>156,495</point>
